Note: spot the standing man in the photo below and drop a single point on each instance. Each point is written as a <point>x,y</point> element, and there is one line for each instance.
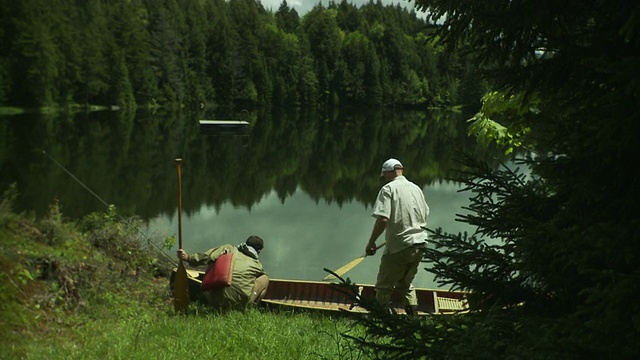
<point>402,211</point>
<point>249,280</point>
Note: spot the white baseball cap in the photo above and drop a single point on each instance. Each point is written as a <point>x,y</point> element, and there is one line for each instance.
<point>390,165</point>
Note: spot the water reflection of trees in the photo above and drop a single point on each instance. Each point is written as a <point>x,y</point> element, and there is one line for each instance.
<point>332,158</point>
<point>127,159</point>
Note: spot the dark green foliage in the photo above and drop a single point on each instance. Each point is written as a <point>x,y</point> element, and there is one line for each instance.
<point>287,18</point>
<point>552,268</point>
<point>220,55</point>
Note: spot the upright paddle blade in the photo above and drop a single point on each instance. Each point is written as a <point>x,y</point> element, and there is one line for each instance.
<point>181,289</point>
<point>181,285</point>
<point>353,263</point>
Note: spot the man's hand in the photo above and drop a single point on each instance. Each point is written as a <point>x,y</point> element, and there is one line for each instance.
<point>182,255</point>
<point>378,227</point>
<point>371,249</point>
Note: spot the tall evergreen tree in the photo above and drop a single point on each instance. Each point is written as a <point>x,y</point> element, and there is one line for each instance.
<point>246,60</point>
<point>167,34</point>
<point>7,32</point>
<point>553,263</point>
<point>359,77</point>
<point>287,18</point>
<point>199,87</point>
<point>94,39</point>
<point>39,60</point>
<point>221,42</point>
<point>325,40</point>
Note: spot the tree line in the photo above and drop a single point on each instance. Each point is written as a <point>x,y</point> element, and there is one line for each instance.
<point>217,53</point>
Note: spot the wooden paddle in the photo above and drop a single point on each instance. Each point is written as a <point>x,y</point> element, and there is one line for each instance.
<point>350,265</point>
<point>181,283</point>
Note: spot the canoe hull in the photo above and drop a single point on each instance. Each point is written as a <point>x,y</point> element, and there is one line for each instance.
<point>327,296</point>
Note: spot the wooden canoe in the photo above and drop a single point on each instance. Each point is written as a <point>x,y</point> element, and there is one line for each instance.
<point>327,296</point>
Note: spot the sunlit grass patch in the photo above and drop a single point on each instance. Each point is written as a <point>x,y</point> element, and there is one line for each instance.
<point>253,334</point>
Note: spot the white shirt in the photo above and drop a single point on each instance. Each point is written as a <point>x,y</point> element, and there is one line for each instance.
<point>403,204</point>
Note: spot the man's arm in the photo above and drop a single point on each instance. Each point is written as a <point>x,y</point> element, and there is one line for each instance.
<point>378,228</point>
<point>197,259</point>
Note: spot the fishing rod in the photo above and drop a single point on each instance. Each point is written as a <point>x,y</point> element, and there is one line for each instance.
<point>125,220</point>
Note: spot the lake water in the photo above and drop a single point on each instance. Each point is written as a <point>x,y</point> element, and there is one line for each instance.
<point>302,237</point>
<point>303,182</point>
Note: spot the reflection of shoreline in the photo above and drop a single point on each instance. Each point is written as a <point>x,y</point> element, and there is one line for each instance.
<point>127,158</point>
<point>49,110</point>
<point>445,202</point>
<point>445,185</point>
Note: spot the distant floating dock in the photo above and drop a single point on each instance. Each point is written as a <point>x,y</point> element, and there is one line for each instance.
<point>224,127</point>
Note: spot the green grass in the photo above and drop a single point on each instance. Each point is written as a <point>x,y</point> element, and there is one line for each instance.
<point>89,289</point>
<point>142,334</point>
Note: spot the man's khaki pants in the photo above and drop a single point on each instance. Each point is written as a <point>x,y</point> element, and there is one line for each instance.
<point>397,272</point>
<point>259,289</point>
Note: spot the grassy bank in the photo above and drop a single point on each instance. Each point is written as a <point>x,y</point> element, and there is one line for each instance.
<point>94,289</point>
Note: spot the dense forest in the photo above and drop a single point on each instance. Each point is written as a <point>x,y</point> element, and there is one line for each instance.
<point>220,54</point>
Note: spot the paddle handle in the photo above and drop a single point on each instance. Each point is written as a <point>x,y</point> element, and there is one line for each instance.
<point>178,166</point>
<point>378,247</point>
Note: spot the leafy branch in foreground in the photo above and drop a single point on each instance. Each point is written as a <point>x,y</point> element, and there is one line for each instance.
<point>498,108</point>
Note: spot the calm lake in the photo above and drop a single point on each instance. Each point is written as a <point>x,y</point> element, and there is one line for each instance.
<point>304,182</point>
